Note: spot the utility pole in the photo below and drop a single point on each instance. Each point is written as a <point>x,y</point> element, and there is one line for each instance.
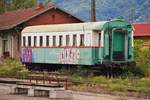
<point>93,10</point>
<point>133,10</point>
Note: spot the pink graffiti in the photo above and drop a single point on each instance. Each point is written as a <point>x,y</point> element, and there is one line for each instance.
<point>69,56</point>
<point>27,55</point>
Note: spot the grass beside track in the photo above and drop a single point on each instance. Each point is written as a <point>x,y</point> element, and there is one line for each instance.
<point>100,84</point>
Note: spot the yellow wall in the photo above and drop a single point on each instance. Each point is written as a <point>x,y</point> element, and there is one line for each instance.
<point>146,40</point>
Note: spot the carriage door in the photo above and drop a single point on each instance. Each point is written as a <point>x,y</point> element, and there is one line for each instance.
<point>118,45</point>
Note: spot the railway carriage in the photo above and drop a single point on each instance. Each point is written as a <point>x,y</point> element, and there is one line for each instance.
<point>91,43</point>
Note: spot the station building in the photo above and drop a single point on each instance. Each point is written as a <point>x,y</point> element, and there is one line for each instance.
<point>12,23</point>
<point>142,32</point>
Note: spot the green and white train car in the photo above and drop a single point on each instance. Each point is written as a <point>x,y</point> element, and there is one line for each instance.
<point>91,43</point>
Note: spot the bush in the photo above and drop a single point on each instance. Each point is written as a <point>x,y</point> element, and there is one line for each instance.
<point>12,68</point>
<point>142,58</point>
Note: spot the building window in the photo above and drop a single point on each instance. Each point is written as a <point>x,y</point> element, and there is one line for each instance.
<point>24,41</point>
<point>41,41</point>
<point>47,40</point>
<point>29,41</point>
<point>35,41</point>
<point>5,45</point>
<point>54,40</point>
<point>82,40</point>
<point>67,40</point>
<point>60,40</point>
<point>74,40</point>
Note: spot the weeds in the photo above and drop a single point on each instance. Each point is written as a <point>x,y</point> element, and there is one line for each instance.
<point>141,85</point>
<point>12,68</point>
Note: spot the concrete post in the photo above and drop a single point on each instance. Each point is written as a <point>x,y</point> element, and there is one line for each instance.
<point>52,94</point>
<point>31,92</point>
<point>59,94</point>
<point>13,90</point>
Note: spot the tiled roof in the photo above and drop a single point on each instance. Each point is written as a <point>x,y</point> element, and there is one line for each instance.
<point>141,29</point>
<point>11,19</point>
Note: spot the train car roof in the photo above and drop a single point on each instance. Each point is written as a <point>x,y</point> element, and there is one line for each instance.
<point>65,27</point>
<point>75,26</point>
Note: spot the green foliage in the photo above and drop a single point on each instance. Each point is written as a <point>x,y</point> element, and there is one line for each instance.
<point>9,5</point>
<point>12,68</point>
<point>135,71</point>
<point>142,57</point>
<point>48,1</point>
<point>141,85</point>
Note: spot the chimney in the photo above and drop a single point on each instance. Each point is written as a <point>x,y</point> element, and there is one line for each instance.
<point>40,3</point>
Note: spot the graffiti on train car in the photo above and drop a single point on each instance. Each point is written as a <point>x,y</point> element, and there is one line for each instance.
<point>27,55</point>
<point>69,56</point>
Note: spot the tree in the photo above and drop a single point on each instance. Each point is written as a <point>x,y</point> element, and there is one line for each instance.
<point>44,1</point>
<point>8,5</point>
<point>2,6</point>
<point>49,1</point>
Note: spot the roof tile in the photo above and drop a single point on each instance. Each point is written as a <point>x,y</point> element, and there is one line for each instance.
<point>141,29</point>
<point>11,19</point>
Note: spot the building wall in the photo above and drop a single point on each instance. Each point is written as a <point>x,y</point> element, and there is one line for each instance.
<point>15,49</point>
<point>145,39</point>
<point>53,16</point>
<point>0,46</point>
<point>12,45</point>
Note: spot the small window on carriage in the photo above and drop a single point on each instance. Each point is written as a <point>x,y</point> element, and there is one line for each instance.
<point>67,40</point>
<point>99,39</point>
<point>29,41</point>
<point>54,40</point>
<point>82,40</point>
<point>74,40</point>
<point>35,41</point>
<point>60,40</point>
<point>47,40</point>
<point>24,41</point>
<point>41,40</point>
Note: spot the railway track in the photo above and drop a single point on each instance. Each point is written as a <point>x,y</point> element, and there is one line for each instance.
<point>45,79</point>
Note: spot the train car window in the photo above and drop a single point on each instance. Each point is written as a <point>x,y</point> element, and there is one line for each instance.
<point>74,40</point>
<point>47,40</point>
<point>29,41</point>
<point>41,40</point>
<point>35,40</point>
<point>24,41</point>
<point>60,40</point>
<point>54,40</point>
<point>99,40</point>
<point>82,40</point>
<point>67,40</point>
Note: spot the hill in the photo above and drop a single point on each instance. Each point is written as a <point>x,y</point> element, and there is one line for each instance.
<point>135,11</point>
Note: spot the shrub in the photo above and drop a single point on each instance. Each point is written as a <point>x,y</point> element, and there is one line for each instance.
<point>12,68</point>
<point>142,58</point>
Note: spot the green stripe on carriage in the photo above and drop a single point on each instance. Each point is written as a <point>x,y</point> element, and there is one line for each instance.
<point>83,56</point>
